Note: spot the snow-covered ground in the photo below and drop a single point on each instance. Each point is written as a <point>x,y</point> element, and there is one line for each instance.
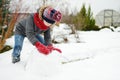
<point>99,52</point>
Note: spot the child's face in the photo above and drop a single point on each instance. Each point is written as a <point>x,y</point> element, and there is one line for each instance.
<point>47,24</point>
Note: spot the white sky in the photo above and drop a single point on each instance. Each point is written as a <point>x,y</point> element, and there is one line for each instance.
<point>97,5</point>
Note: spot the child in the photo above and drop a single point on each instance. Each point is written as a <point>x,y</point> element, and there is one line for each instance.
<point>34,25</point>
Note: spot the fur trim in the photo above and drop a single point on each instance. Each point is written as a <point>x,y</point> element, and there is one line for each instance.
<point>41,10</point>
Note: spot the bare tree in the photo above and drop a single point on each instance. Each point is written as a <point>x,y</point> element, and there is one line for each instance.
<point>7,33</point>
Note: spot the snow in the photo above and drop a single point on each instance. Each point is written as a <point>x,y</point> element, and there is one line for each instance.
<point>101,47</point>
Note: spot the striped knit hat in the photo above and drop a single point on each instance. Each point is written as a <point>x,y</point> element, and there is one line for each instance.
<point>51,15</point>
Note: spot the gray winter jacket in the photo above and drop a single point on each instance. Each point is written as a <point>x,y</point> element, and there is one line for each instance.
<point>27,28</point>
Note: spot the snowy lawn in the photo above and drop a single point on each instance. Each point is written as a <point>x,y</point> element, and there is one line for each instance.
<point>102,50</point>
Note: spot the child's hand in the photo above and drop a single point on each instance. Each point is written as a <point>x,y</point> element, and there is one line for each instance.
<point>57,50</point>
<point>50,47</point>
<point>41,48</point>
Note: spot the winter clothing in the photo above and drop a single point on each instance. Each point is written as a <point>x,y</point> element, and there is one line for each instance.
<point>15,59</point>
<point>17,48</point>
<point>42,48</point>
<point>51,48</point>
<point>31,27</point>
<point>57,50</point>
<point>39,23</point>
<point>18,45</point>
<point>19,42</point>
<point>40,38</point>
<point>51,15</point>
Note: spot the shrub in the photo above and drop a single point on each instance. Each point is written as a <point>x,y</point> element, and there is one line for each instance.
<point>83,20</point>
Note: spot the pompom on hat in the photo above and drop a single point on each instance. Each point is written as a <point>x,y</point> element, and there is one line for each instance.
<point>51,15</point>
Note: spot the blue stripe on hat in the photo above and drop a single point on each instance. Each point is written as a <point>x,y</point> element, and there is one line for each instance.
<point>52,12</point>
<point>48,20</point>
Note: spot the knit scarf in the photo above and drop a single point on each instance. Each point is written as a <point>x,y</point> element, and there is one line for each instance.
<point>39,23</point>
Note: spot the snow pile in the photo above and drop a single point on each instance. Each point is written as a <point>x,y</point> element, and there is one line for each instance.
<point>98,54</point>
<point>117,29</point>
<point>106,30</point>
<point>62,34</point>
<point>111,29</point>
<point>41,65</point>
